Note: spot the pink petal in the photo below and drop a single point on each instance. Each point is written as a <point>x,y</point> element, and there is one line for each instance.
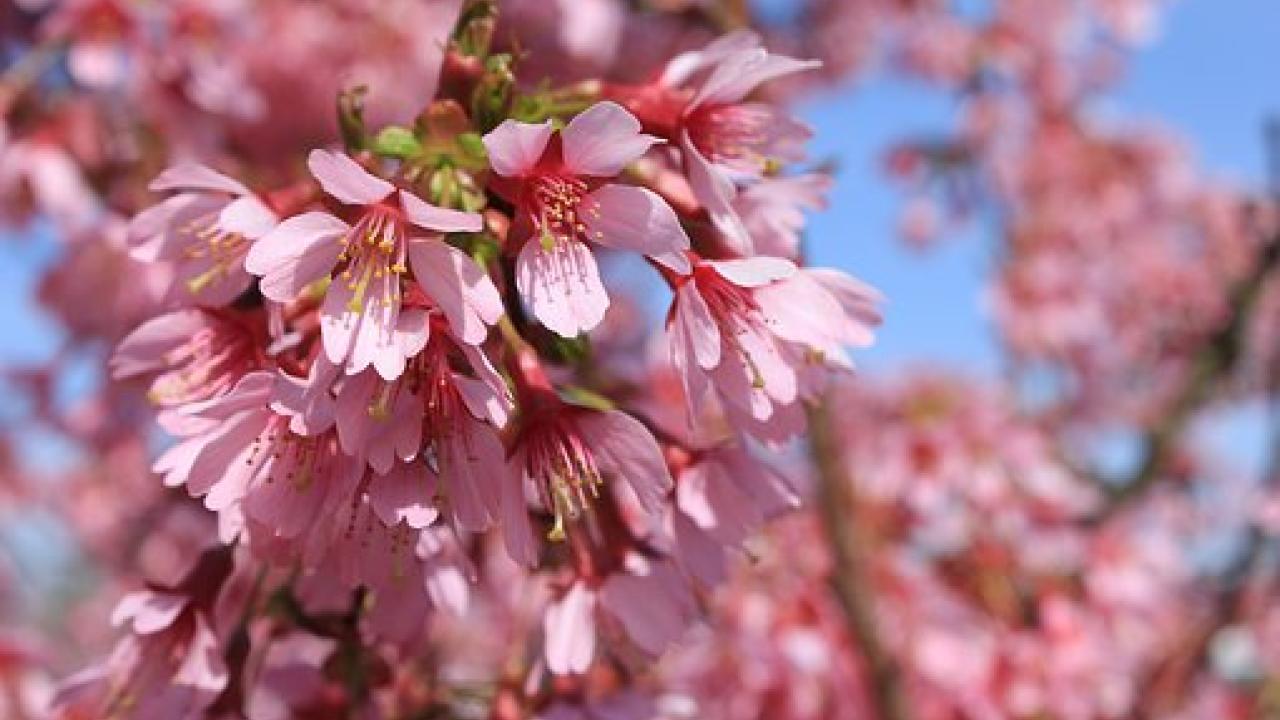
<point>800,310</point>
<point>296,253</point>
<point>247,216</point>
<point>459,286</point>
<point>194,176</point>
<point>570,630</point>
<point>487,374</point>
<point>714,191</point>
<point>775,371</point>
<point>695,328</point>
<point>364,336</point>
<point>430,217</point>
<point>754,272</point>
<point>654,607</point>
<point>157,233</point>
<point>740,73</point>
<point>404,495</point>
<point>702,555</point>
<point>562,286</point>
<point>859,301</point>
<point>481,400</point>
<point>633,218</point>
<point>221,471</point>
<point>148,611</point>
<point>515,147</point>
<point>467,460</point>
<point>684,65</point>
<point>345,179</point>
<point>603,139</point>
<point>203,668</point>
<point>624,447</point>
<point>517,533</point>
<point>144,349</point>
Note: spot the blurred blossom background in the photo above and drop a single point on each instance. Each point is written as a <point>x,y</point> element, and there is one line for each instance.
<point>1048,489</point>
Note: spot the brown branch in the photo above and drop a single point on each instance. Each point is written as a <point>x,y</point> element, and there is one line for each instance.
<point>850,578</point>
<point>1214,361</point>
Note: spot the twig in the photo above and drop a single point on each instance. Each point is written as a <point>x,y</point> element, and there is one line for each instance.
<point>1214,361</point>
<point>850,579</point>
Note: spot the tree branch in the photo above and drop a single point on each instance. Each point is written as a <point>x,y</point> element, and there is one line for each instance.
<point>850,578</point>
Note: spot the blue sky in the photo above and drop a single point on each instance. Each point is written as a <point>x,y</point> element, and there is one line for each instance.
<point>1212,75</point>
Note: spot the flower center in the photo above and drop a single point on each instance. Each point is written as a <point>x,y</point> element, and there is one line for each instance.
<point>210,244</point>
<point>559,204</point>
<point>736,135</point>
<point>565,469</point>
<point>205,366</point>
<point>374,248</point>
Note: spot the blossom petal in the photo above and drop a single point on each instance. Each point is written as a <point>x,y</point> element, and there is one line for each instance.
<point>404,495</point>
<point>740,73</point>
<point>715,192</point>
<point>247,216</point>
<point>194,176</point>
<point>461,288</point>
<point>514,147</point>
<point>296,253</point>
<point>148,611</point>
<point>603,139</point>
<point>562,286</point>
<point>429,217</point>
<point>570,629</point>
<point>695,328</point>
<point>517,533</point>
<point>633,218</point>
<point>144,349</point>
<point>754,272</point>
<point>624,447</point>
<point>344,179</point>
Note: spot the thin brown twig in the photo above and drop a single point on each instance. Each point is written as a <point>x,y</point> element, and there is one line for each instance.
<point>850,578</point>
<point>1215,360</point>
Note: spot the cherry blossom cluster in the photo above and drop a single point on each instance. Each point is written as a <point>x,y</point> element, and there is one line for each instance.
<point>412,359</point>
<point>370,358</point>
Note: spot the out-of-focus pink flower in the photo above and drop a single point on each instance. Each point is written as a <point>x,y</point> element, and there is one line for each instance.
<point>558,182</point>
<point>772,211</point>
<point>760,334</point>
<point>648,598</point>
<point>170,665</point>
<point>394,230</point>
<point>699,103</point>
<point>205,228</point>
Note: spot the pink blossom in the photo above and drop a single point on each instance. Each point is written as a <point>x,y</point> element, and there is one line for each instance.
<point>454,416</point>
<point>195,355</point>
<point>699,103</point>
<point>558,182</point>
<point>649,599</point>
<point>370,261</point>
<point>242,457</point>
<point>565,453</point>
<point>170,665</point>
<point>205,228</point>
<point>758,335</point>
